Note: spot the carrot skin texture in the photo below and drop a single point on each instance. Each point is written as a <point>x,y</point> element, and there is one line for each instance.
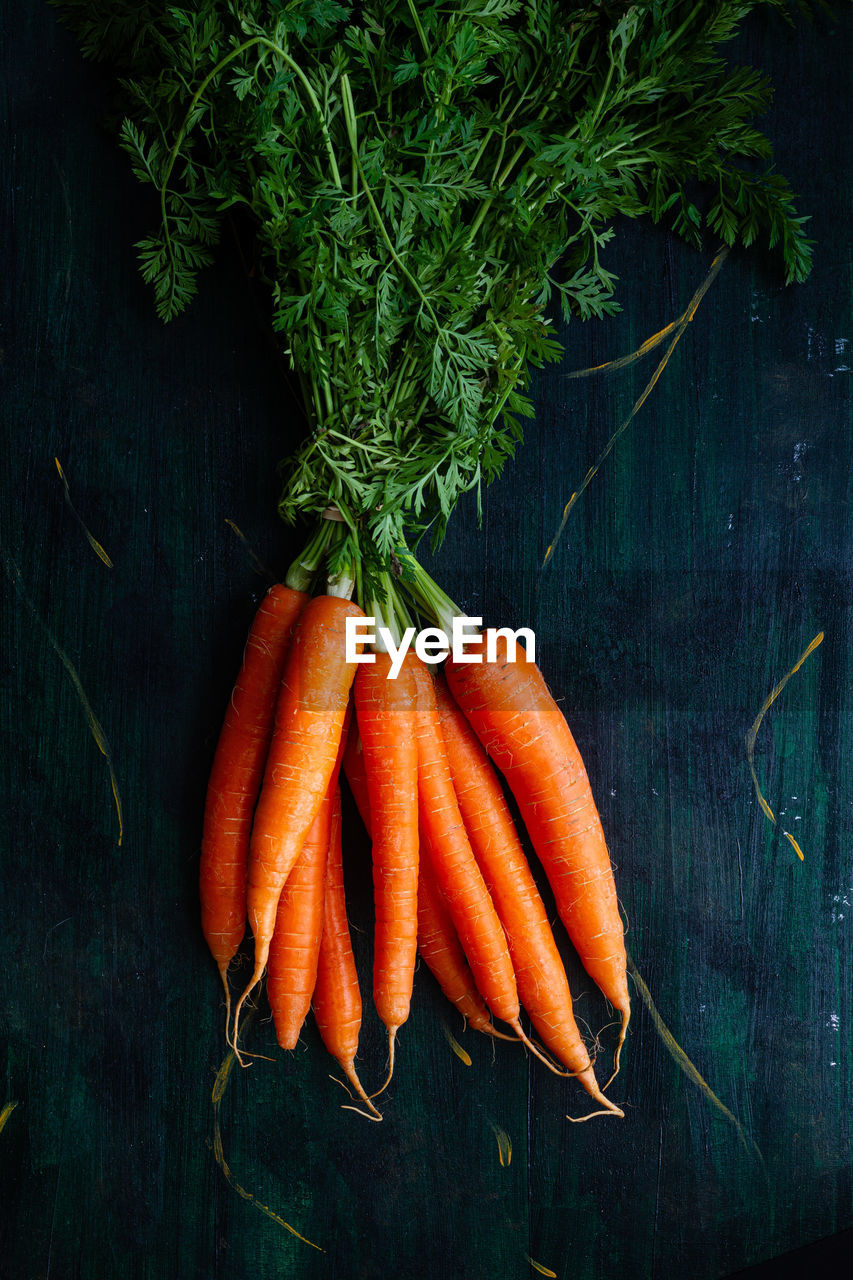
<point>236,774</point>
<point>523,730</point>
<point>442,952</point>
<point>309,721</point>
<point>337,997</point>
<point>295,945</point>
<point>438,943</point>
<point>385,710</point>
<point>539,972</point>
<point>456,872</point>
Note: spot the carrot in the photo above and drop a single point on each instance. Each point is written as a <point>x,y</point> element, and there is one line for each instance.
<point>235,778</point>
<point>442,952</point>
<point>295,945</point>
<point>309,720</point>
<point>539,973</point>
<point>460,879</point>
<point>523,730</point>
<point>438,943</point>
<point>385,710</point>
<point>456,871</point>
<point>337,999</point>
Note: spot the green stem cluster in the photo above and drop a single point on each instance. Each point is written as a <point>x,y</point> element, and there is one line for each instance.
<point>327,564</point>
<point>425,181</point>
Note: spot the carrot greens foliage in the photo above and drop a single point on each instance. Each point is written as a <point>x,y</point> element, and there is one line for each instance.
<point>432,184</point>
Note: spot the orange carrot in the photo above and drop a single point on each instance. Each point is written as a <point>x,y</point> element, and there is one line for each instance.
<point>456,871</point>
<point>539,973</point>
<point>441,950</point>
<point>337,999</point>
<point>438,943</point>
<point>462,885</point>
<point>295,945</point>
<point>309,720</point>
<point>461,881</point>
<point>523,730</point>
<point>385,709</point>
<point>236,774</point>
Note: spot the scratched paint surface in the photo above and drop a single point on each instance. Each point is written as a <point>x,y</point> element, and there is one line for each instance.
<point>714,543</point>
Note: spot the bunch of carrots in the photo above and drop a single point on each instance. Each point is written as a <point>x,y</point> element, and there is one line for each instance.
<point>451,879</point>
<point>425,185</point>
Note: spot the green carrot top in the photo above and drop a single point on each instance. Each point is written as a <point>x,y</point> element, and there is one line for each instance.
<point>431,187</point>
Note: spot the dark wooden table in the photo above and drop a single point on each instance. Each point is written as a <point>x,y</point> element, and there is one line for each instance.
<point>714,543</point>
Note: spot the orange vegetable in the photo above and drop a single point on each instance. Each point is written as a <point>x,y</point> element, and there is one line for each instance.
<point>337,999</point>
<point>539,972</point>
<point>438,943</point>
<point>385,710</point>
<point>295,946</point>
<point>441,950</point>
<point>523,730</point>
<point>235,777</point>
<point>353,766</point>
<point>309,720</point>
<point>455,867</point>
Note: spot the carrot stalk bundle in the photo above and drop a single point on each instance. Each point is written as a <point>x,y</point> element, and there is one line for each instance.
<point>309,720</point>
<point>415,374</point>
<point>236,774</point>
<point>337,998</point>
<point>386,722</point>
<point>523,730</point>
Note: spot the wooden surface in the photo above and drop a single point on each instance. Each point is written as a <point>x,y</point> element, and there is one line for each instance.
<point>714,543</point>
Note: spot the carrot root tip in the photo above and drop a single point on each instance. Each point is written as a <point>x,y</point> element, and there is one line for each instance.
<point>537,1052</point>
<point>392,1040</point>
<point>491,1030</point>
<point>608,1111</point>
<point>352,1076</point>
<point>617,1053</point>
<point>235,1034</point>
<point>367,1114</point>
<point>223,973</point>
